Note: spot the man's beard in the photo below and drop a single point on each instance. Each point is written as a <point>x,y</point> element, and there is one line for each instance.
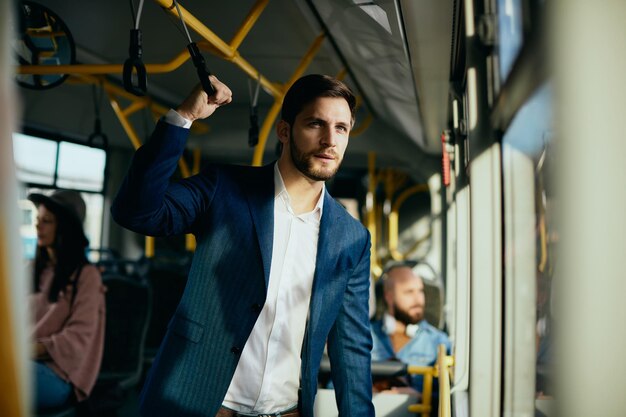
<point>304,161</point>
<point>405,317</point>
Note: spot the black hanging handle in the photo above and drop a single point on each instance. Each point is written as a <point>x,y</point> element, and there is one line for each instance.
<point>134,62</point>
<point>98,135</point>
<point>203,72</point>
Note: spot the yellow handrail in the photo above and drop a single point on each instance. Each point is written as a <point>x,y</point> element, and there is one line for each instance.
<point>392,220</point>
<point>444,362</point>
<point>93,69</point>
<point>12,401</point>
<point>425,406</point>
<point>248,23</point>
<point>370,207</point>
<point>365,124</point>
<point>442,371</point>
<point>225,50</point>
<point>137,102</point>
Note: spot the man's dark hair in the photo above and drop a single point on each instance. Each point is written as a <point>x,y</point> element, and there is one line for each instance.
<point>310,87</point>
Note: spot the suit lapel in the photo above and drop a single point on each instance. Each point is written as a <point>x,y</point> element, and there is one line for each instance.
<point>328,247</point>
<point>261,202</point>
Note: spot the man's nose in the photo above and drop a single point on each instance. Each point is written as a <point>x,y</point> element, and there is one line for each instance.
<point>329,137</point>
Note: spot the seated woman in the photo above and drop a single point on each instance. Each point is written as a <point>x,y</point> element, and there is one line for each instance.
<point>67,303</point>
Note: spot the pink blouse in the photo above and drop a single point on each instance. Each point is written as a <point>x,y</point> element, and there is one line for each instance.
<point>72,332</point>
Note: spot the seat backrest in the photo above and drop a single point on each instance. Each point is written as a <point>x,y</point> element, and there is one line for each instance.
<point>68,410</point>
<point>128,310</point>
<point>434,304</point>
<point>167,280</point>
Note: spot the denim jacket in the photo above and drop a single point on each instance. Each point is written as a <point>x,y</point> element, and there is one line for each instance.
<point>420,351</point>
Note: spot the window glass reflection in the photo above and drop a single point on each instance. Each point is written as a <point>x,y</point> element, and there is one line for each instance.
<point>509,34</point>
<point>531,133</point>
<point>35,159</point>
<point>80,167</point>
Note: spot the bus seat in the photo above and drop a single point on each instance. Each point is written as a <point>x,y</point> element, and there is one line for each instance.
<point>128,310</point>
<point>434,304</point>
<point>167,278</point>
<point>105,259</point>
<point>68,410</point>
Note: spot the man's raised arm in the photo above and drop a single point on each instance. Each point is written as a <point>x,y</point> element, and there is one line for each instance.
<point>147,202</point>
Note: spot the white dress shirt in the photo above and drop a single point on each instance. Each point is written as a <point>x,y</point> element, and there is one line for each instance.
<point>267,377</point>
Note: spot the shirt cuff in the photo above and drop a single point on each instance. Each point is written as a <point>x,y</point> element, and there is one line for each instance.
<point>172,117</point>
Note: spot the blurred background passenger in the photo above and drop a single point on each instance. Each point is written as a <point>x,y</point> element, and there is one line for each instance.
<point>67,303</point>
<point>403,333</point>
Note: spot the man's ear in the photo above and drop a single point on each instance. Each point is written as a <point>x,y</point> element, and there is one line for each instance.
<point>282,131</point>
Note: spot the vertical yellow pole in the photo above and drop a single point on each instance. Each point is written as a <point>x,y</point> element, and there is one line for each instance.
<point>393,219</point>
<point>14,399</point>
<point>444,362</point>
<point>149,247</point>
<point>190,239</point>
<point>134,138</point>
<point>370,206</point>
<point>11,400</point>
<point>427,393</point>
<point>268,123</point>
<point>428,373</point>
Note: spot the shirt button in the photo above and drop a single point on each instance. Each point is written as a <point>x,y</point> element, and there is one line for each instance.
<point>256,307</point>
<point>235,350</point>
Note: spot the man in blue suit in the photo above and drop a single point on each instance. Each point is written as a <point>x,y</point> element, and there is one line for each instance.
<point>280,267</point>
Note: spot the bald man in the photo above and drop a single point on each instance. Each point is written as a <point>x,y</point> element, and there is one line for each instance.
<point>403,333</point>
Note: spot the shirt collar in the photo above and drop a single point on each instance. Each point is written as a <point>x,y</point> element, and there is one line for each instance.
<point>280,192</point>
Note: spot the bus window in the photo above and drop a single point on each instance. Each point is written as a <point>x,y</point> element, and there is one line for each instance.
<point>509,34</point>
<point>531,235</point>
<point>44,164</point>
<point>80,167</point>
<point>35,159</point>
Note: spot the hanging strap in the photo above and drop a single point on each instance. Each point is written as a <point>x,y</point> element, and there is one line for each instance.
<point>134,61</point>
<point>97,129</point>
<point>253,130</point>
<point>197,58</point>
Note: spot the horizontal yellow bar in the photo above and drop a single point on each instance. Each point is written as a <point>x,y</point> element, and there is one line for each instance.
<point>420,370</point>
<point>419,408</point>
<point>135,107</point>
<point>222,47</point>
<point>197,127</point>
<point>102,68</point>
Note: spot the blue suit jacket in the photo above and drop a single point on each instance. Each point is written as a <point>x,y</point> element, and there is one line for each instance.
<point>231,212</point>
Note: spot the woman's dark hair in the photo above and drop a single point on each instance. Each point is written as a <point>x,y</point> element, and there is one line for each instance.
<point>310,87</point>
<point>69,247</point>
